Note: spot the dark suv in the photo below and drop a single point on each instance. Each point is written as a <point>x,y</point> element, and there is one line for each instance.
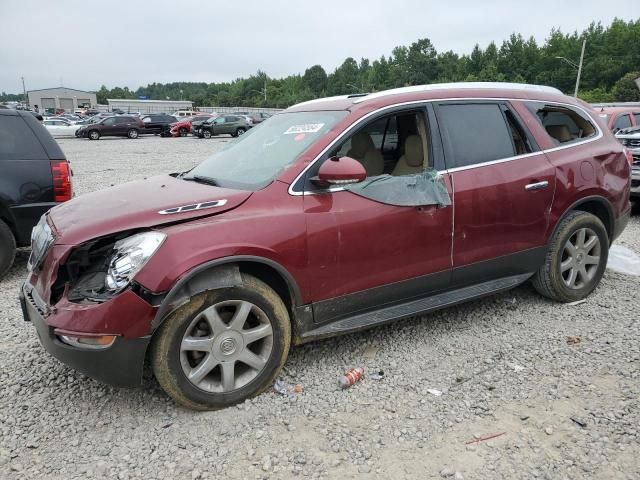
<point>116,126</point>
<point>157,123</point>
<point>233,125</point>
<point>34,176</point>
<point>333,216</point>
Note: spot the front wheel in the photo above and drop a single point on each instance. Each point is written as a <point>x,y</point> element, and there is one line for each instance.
<point>223,346</point>
<point>239,132</point>
<point>94,135</point>
<point>133,133</point>
<point>206,134</point>
<point>576,258</point>
<point>182,132</point>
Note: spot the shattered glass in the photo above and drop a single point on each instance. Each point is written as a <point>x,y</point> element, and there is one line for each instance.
<point>426,188</point>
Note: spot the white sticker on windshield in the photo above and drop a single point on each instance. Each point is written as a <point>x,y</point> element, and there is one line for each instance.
<point>304,128</point>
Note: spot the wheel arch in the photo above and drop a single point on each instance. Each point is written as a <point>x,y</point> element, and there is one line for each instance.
<point>596,205</point>
<point>226,272</point>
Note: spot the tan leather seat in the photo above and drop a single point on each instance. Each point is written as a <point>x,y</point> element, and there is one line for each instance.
<point>559,132</point>
<point>412,162</point>
<point>363,150</point>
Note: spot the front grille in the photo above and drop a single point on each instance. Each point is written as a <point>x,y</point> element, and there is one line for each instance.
<point>41,308</point>
<point>630,142</point>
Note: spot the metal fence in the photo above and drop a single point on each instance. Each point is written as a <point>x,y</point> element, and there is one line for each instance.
<point>151,108</point>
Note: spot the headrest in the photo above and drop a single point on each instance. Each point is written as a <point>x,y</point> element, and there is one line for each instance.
<point>360,143</point>
<point>413,153</point>
<point>559,132</point>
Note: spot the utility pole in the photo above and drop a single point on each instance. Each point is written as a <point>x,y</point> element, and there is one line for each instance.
<point>24,92</point>
<point>584,43</point>
<point>265,90</point>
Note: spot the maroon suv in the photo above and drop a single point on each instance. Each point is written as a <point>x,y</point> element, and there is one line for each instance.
<point>335,215</point>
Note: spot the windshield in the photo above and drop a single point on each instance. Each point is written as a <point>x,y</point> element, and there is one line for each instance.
<point>258,156</point>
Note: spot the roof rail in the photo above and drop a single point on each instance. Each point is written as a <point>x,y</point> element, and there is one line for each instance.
<point>461,86</point>
<point>319,100</point>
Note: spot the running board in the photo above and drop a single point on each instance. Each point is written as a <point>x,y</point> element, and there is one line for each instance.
<point>370,318</point>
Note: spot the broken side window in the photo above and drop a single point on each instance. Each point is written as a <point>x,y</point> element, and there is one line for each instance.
<point>425,188</point>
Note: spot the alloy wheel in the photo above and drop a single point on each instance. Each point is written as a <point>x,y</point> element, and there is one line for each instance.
<point>580,258</point>
<point>226,346</point>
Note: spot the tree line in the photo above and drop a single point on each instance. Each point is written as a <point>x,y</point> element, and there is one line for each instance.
<point>611,63</point>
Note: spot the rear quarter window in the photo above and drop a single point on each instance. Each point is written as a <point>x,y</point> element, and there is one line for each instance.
<point>17,140</point>
<point>563,124</point>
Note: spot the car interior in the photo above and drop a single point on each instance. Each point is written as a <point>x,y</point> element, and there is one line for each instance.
<point>564,125</point>
<point>394,144</point>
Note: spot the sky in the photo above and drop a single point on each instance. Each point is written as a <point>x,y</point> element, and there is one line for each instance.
<point>84,44</point>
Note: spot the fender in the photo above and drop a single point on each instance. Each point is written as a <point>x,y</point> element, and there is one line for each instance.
<point>601,200</point>
<point>220,273</point>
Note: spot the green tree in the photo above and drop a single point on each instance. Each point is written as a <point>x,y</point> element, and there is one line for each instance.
<point>315,78</point>
<point>626,89</point>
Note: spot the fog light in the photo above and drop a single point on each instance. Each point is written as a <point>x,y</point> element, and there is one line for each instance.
<point>96,342</point>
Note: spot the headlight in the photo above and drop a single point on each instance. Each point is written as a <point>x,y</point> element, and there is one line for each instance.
<point>130,255</point>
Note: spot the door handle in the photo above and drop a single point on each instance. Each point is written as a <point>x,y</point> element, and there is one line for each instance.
<point>536,186</point>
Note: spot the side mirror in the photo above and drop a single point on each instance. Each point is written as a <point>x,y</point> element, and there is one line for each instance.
<point>340,171</point>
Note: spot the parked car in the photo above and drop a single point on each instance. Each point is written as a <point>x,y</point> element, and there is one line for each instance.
<point>185,113</point>
<point>620,117</point>
<point>334,216</point>
<point>233,125</point>
<point>630,138</point>
<point>256,118</point>
<point>59,127</point>
<point>117,126</point>
<point>182,127</point>
<point>157,123</point>
<point>35,177</point>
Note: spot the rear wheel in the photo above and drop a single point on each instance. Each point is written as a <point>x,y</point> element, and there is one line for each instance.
<point>576,259</point>
<point>94,135</point>
<point>7,248</point>
<point>182,132</point>
<point>223,346</point>
<point>133,133</point>
<point>239,131</point>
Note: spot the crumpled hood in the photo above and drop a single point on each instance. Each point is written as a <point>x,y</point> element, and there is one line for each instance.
<point>136,205</point>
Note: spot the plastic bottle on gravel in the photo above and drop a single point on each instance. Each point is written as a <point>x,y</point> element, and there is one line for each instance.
<point>351,377</point>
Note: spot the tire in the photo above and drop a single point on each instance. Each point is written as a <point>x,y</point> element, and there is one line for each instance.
<point>206,134</point>
<point>240,132</point>
<point>172,358</point>
<point>182,132</point>
<point>554,278</point>
<point>94,135</point>
<point>133,133</point>
<point>7,248</point>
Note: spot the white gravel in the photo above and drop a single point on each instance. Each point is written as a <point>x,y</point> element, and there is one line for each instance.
<point>503,365</point>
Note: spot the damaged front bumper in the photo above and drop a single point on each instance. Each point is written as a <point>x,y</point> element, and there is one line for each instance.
<point>118,364</point>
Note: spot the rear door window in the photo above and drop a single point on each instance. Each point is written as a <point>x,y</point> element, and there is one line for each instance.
<point>474,133</point>
<point>637,118</point>
<point>17,140</point>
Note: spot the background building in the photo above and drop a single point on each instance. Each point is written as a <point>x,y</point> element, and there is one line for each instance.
<point>147,106</point>
<point>68,99</point>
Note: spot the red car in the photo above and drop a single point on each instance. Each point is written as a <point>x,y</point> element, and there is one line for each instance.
<point>620,117</point>
<point>182,127</point>
<point>335,215</point>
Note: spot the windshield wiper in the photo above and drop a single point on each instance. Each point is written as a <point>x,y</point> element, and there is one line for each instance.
<point>203,179</point>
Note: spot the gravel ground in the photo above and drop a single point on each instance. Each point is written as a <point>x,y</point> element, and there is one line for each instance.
<point>503,364</point>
